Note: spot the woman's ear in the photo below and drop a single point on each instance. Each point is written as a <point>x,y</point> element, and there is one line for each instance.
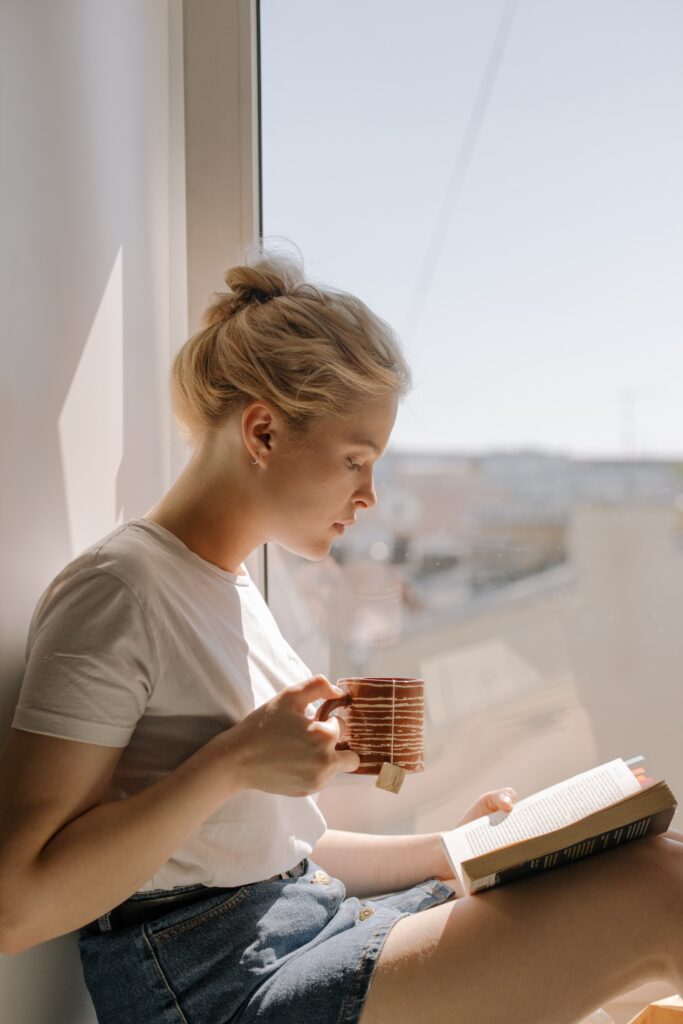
<point>259,429</point>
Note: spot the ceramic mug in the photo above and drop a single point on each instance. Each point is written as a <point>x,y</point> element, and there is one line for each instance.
<point>385,721</point>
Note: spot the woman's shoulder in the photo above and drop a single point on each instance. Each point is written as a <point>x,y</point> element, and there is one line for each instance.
<point>123,563</point>
<point>125,553</point>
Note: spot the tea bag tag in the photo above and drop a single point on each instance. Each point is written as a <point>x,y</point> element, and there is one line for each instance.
<point>391,777</point>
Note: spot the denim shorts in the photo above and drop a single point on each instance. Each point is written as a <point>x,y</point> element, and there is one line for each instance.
<point>289,950</point>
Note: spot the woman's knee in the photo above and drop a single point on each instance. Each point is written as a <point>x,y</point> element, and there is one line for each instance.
<point>661,878</point>
<point>667,854</point>
<point>670,862</point>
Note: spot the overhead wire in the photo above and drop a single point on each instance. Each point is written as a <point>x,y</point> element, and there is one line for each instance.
<point>435,246</point>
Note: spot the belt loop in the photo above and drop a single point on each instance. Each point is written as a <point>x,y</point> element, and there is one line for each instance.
<point>104,923</point>
<point>295,872</point>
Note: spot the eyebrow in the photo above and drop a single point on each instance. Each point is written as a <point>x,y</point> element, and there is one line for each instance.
<point>365,442</point>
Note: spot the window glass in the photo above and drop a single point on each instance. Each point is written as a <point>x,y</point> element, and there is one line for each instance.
<point>500,182</point>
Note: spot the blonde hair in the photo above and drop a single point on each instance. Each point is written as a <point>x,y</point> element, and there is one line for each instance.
<point>307,350</point>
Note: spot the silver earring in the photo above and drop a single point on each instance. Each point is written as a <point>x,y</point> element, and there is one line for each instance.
<point>255,462</point>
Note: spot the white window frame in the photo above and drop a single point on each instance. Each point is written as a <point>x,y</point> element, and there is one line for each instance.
<point>222,151</point>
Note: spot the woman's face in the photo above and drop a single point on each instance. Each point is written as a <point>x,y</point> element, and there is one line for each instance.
<point>327,479</point>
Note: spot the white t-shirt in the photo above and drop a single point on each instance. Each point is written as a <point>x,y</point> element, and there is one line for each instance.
<point>140,643</point>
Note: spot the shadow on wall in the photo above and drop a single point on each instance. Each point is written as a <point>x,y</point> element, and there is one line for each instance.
<point>86,255</point>
<point>70,471</point>
<point>88,266</point>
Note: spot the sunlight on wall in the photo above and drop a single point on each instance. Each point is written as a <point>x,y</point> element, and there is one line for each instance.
<point>91,422</point>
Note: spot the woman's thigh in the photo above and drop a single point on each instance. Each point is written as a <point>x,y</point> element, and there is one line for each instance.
<point>550,947</point>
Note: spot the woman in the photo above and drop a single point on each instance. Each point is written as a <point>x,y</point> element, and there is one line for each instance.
<point>161,776</point>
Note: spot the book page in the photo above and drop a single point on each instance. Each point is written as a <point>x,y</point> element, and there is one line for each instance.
<point>549,809</point>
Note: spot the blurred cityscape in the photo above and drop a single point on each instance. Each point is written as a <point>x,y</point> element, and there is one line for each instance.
<point>448,530</point>
<point>538,597</point>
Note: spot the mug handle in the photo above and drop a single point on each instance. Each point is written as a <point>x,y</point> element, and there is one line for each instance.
<point>323,712</point>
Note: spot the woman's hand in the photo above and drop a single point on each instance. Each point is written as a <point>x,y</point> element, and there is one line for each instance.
<point>495,800</point>
<point>643,779</point>
<point>278,749</point>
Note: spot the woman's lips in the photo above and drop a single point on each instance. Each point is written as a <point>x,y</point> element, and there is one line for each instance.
<point>340,527</point>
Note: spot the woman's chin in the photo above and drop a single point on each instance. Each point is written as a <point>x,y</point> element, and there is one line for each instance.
<point>311,551</point>
<point>322,551</point>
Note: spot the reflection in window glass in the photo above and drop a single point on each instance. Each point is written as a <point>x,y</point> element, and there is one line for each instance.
<point>500,182</point>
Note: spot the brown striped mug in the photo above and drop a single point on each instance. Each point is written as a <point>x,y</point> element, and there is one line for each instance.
<point>385,721</point>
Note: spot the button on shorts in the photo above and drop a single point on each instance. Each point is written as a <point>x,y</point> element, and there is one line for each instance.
<point>283,951</point>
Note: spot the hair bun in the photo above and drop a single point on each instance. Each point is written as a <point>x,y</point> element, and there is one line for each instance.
<point>251,285</point>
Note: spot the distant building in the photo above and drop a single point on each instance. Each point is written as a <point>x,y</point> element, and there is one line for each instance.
<point>543,678</point>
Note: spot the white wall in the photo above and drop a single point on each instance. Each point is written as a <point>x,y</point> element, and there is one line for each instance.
<point>93,297</point>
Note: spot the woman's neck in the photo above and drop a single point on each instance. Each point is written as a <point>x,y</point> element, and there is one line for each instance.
<point>210,513</point>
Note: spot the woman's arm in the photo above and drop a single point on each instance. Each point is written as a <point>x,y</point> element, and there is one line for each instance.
<point>369,865</point>
<point>65,856</point>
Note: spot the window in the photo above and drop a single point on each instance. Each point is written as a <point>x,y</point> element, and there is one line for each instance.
<point>500,182</point>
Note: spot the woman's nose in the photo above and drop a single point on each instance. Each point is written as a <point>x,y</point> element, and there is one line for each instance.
<point>368,495</point>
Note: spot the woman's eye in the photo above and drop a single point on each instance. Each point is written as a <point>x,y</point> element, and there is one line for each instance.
<point>355,465</point>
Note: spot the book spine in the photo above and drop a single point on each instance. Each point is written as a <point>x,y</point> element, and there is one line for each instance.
<point>652,825</point>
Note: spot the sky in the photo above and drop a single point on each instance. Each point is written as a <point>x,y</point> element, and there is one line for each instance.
<point>500,181</point>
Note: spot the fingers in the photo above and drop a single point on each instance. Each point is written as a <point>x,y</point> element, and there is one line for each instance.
<point>349,760</point>
<point>303,694</point>
<point>335,725</point>
<point>336,728</point>
<point>502,799</point>
<point>644,779</point>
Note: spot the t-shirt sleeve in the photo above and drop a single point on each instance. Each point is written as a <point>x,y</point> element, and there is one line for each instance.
<point>90,662</point>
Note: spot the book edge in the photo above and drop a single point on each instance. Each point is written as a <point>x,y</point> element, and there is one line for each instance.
<point>505,857</point>
<point>481,883</point>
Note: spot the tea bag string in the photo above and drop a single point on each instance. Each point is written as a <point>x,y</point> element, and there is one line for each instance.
<point>393,708</point>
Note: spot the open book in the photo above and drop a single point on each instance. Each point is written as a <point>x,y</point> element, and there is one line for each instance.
<point>589,813</point>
